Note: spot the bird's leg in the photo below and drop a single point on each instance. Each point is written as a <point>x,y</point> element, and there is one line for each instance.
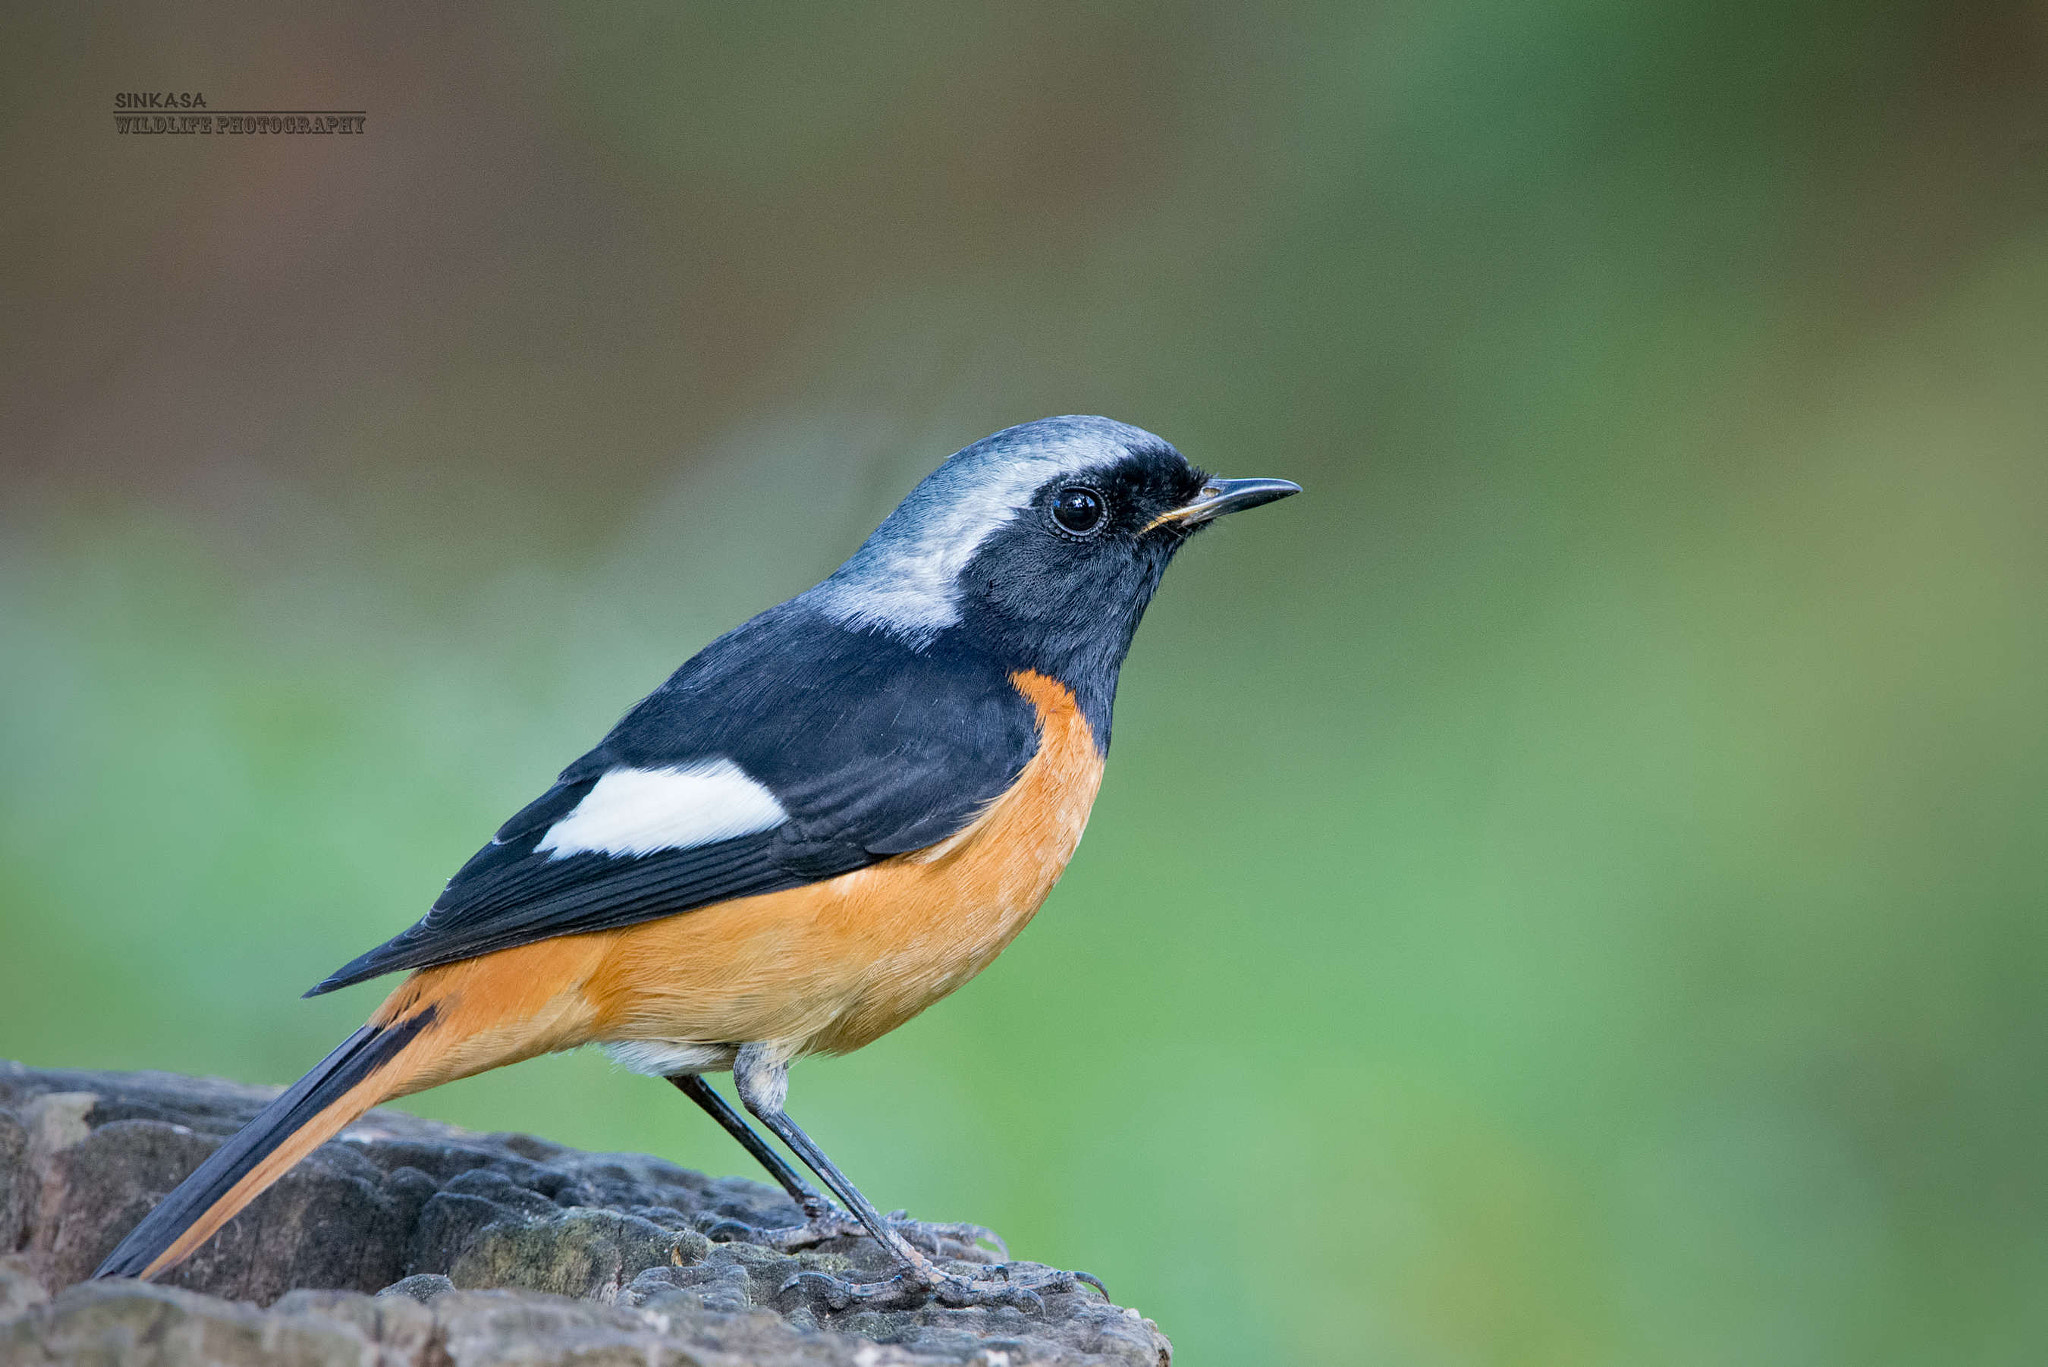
<point>822,1220</point>
<point>807,1197</point>
<point>763,1084</point>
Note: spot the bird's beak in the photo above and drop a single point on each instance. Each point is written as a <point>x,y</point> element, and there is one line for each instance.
<point>1220,496</point>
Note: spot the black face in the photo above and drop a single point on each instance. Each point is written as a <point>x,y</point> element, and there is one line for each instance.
<point>1062,586</point>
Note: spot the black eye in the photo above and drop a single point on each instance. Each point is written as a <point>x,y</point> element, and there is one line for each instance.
<point>1078,509</point>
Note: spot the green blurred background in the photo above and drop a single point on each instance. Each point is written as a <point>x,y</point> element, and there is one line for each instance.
<point>1568,890</point>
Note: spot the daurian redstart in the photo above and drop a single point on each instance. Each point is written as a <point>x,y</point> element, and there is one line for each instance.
<point>828,819</point>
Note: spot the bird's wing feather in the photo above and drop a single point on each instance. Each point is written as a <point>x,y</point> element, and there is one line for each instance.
<point>870,750</point>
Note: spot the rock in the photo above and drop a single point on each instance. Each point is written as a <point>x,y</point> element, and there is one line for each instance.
<point>407,1243</point>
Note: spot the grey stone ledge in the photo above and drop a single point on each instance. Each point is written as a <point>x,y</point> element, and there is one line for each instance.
<point>408,1243</point>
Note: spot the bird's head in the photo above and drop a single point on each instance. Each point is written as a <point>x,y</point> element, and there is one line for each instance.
<point>1044,541</point>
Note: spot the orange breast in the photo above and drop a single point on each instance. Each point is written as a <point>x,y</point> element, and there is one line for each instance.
<point>837,964</point>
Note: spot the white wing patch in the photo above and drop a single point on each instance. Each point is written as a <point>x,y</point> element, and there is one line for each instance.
<point>642,811</point>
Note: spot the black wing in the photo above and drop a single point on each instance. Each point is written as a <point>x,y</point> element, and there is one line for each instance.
<point>873,749</point>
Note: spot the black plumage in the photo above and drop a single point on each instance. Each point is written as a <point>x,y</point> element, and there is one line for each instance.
<point>873,748</point>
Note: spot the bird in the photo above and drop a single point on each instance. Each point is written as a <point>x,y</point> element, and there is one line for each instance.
<point>822,823</point>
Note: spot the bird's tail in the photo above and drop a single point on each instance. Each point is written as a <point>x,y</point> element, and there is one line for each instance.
<point>441,1024</point>
<point>313,1110</point>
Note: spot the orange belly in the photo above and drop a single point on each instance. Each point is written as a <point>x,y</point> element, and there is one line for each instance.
<point>824,968</point>
<point>835,965</point>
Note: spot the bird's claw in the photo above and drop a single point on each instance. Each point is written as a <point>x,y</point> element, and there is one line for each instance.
<point>997,1285</point>
<point>946,1239</point>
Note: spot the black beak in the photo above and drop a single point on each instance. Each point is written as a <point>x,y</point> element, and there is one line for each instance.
<point>1220,496</point>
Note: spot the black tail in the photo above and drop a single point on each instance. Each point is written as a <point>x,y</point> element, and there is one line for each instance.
<point>359,1055</point>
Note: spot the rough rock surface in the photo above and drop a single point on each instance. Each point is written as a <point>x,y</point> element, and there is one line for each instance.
<point>409,1242</point>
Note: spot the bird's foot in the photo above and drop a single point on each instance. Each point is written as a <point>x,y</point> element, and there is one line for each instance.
<point>1023,1287</point>
<point>961,1241</point>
